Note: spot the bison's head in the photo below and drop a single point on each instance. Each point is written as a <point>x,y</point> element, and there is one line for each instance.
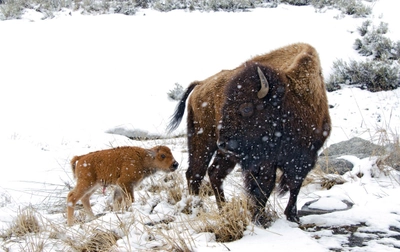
<point>249,124</point>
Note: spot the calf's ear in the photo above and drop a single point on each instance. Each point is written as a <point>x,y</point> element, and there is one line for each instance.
<point>152,153</point>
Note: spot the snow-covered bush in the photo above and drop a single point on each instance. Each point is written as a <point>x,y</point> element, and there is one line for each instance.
<point>176,93</point>
<point>381,69</point>
<point>348,7</point>
<point>354,7</point>
<point>11,9</point>
<point>297,2</point>
<point>370,74</point>
<point>363,29</point>
<point>373,43</point>
<point>14,9</point>
<point>205,5</point>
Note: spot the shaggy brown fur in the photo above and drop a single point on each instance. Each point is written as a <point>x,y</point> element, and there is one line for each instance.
<point>285,129</point>
<point>122,166</point>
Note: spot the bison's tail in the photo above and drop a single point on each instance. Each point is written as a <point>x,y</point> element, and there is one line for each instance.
<point>73,165</point>
<point>176,118</point>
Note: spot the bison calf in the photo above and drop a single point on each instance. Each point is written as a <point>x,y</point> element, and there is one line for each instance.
<point>122,166</point>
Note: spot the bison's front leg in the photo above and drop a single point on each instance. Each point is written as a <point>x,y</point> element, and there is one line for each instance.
<point>259,182</point>
<point>292,179</point>
<point>291,208</point>
<point>220,168</point>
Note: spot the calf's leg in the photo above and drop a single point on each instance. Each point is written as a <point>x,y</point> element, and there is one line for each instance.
<point>82,191</point>
<point>123,195</point>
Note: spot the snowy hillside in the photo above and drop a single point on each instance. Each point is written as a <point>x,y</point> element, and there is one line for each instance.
<point>67,81</point>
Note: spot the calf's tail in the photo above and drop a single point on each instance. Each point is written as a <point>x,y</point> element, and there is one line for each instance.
<point>176,118</point>
<point>73,165</point>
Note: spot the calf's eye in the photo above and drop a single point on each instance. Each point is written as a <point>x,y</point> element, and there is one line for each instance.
<point>162,156</point>
<point>246,109</point>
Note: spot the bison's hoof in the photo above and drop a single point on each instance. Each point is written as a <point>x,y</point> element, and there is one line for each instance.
<point>264,219</point>
<point>293,218</point>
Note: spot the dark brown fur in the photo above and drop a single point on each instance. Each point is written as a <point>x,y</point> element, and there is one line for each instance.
<point>283,130</point>
<point>122,166</point>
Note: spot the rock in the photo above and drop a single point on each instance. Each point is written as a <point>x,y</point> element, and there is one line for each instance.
<point>330,162</point>
<point>355,147</point>
<point>334,165</point>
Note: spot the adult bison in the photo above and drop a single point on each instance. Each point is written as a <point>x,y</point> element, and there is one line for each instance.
<point>270,112</point>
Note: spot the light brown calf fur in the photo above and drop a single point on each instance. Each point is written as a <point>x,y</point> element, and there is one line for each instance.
<point>122,166</point>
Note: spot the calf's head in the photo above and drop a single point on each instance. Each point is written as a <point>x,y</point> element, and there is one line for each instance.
<point>163,159</point>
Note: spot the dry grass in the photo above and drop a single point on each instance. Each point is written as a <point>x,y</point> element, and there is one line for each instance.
<point>167,232</point>
<point>228,224</point>
<point>173,239</point>
<point>100,240</point>
<point>25,223</point>
<point>325,180</point>
<point>92,239</point>
<point>392,157</point>
<point>391,140</point>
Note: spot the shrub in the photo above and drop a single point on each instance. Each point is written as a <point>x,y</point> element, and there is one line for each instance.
<point>380,71</point>
<point>349,7</point>
<point>297,2</point>
<point>354,7</point>
<point>11,9</point>
<point>319,4</point>
<point>375,44</point>
<point>371,75</point>
<point>363,29</point>
<point>176,93</point>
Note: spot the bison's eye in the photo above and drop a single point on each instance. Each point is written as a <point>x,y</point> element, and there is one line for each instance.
<point>162,156</point>
<point>246,109</point>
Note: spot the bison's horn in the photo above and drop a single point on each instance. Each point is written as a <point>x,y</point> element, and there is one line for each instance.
<point>264,85</point>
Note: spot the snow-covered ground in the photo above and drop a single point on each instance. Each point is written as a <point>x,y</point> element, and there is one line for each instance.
<point>66,81</point>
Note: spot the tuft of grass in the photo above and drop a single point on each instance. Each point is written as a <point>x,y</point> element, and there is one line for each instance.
<point>25,223</point>
<point>93,239</point>
<point>174,190</point>
<point>175,240</point>
<point>392,142</point>
<point>228,224</point>
<point>327,181</point>
<point>100,240</point>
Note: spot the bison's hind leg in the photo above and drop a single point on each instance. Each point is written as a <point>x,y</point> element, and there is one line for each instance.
<point>217,172</point>
<point>201,152</point>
